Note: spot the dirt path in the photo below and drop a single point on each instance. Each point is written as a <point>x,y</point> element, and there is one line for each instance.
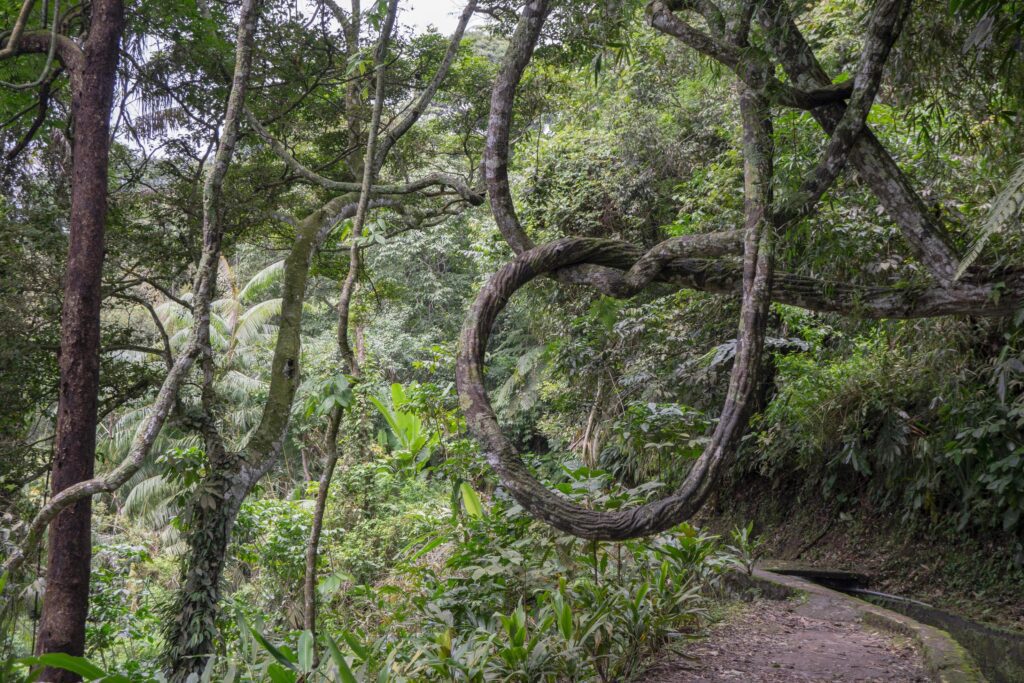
<point>781,642</point>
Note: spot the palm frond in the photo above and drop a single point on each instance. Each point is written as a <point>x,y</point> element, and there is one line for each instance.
<point>227,307</point>
<point>173,316</point>
<point>172,542</point>
<point>1005,208</point>
<point>521,390</point>
<point>219,326</point>
<point>229,311</point>
<point>240,387</point>
<point>134,356</point>
<point>115,439</point>
<point>262,281</point>
<point>179,338</point>
<point>220,336</point>
<point>252,322</point>
<point>243,421</point>
<point>226,274</point>
<point>149,499</point>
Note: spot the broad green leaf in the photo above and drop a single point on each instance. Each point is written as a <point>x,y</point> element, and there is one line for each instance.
<point>274,652</point>
<point>306,652</point>
<point>471,501</point>
<point>357,647</point>
<point>430,545</point>
<point>565,620</point>
<point>344,671</point>
<point>244,633</point>
<point>386,413</point>
<point>398,398</point>
<point>59,660</point>
<point>279,674</point>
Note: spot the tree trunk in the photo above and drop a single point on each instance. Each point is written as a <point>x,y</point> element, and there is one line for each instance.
<point>348,288</point>
<point>313,546</point>
<point>66,601</point>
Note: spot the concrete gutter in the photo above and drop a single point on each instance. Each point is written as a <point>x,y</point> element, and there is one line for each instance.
<point>945,659</point>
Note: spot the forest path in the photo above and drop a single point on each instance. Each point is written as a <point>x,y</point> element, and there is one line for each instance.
<point>770,641</point>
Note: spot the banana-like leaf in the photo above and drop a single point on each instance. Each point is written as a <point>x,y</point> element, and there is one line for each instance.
<point>60,660</point>
<point>277,654</point>
<point>305,652</point>
<point>344,670</point>
<point>471,501</point>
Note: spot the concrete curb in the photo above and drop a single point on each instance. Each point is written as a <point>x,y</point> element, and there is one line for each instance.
<point>945,659</point>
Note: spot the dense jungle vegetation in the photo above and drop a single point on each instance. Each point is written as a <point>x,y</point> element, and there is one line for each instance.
<point>273,408</point>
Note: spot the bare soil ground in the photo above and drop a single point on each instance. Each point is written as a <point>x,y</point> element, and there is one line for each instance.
<point>770,641</point>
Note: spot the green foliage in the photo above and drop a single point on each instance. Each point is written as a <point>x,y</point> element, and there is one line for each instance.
<point>654,440</point>
<point>997,21</point>
<point>269,545</point>
<point>414,442</point>
<point>333,393</point>
<point>1006,207</point>
<point>429,571</point>
<point>516,601</point>
<point>744,547</point>
<point>930,429</point>
<point>470,501</point>
<point>79,665</point>
<point>123,618</point>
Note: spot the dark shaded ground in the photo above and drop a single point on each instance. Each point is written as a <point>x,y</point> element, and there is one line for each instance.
<point>785,641</point>
<point>978,576</point>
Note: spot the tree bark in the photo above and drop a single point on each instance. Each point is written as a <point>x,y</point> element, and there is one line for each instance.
<point>758,265</point>
<point>210,518</point>
<point>191,630</point>
<point>925,236</point>
<point>316,529</point>
<point>66,600</point>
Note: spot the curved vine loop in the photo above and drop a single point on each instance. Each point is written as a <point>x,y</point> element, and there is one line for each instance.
<point>598,263</point>
<point>621,270</point>
<point>558,510</point>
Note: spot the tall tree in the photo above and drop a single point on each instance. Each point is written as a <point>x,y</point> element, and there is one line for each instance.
<point>92,67</point>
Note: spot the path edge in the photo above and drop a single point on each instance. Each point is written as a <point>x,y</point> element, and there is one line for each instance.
<point>945,659</point>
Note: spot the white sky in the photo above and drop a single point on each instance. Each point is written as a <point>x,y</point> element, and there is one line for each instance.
<point>444,14</point>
